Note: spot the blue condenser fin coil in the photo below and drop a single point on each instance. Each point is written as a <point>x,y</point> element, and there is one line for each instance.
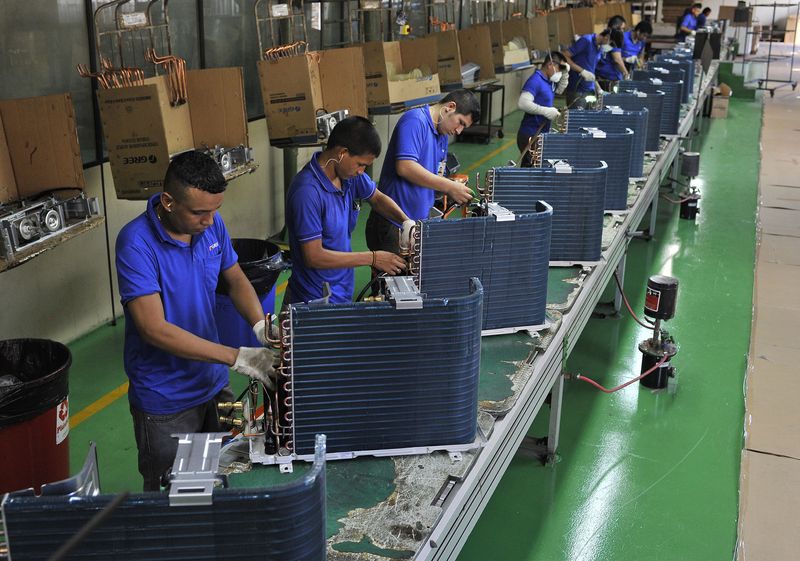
<point>668,73</point>
<point>577,195</point>
<point>373,377</point>
<point>615,120</point>
<point>281,523</point>
<point>510,257</point>
<point>588,149</point>
<point>630,101</point>
<point>671,114</point>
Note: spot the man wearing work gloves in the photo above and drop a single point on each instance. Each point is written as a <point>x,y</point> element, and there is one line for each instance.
<point>582,59</point>
<point>688,23</point>
<point>634,43</point>
<point>322,210</point>
<point>536,98</point>
<point>611,68</point>
<point>415,163</point>
<point>168,261</point>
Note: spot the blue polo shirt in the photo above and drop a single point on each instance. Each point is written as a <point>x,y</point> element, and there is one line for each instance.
<point>629,47</point>
<point>606,68</point>
<point>585,53</point>
<point>701,21</point>
<point>543,93</point>
<point>316,208</point>
<point>689,22</point>
<point>414,138</point>
<point>185,276</point>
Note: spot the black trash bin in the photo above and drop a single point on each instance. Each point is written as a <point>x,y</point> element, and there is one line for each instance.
<point>261,262</point>
<point>34,413</point>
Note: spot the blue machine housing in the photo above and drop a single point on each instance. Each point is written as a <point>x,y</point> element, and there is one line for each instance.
<point>671,113</point>
<point>634,101</point>
<point>585,149</point>
<point>510,257</point>
<point>281,523</point>
<point>373,377</point>
<point>615,120</point>
<point>667,73</point>
<point>577,195</point>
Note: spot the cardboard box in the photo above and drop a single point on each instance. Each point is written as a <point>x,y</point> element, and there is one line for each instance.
<point>475,45</point>
<point>449,57</point>
<point>403,56</point>
<point>559,26</point>
<point>538,38</point>
<point>143,130</point>
<point>582,20</point>
<point>38,146</point>
<point>501,32</point>
<point>719,107</point>
<point>294,89</point>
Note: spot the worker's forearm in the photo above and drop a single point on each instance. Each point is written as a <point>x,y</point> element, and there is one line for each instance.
<point>387,208</point>
<point>418,175</point>
<point>244,297</point>
<point>571,63</point>
<point>328,259</point>
<point>179,342</point>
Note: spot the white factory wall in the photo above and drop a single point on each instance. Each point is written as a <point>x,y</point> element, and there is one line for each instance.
<point>64,293</point>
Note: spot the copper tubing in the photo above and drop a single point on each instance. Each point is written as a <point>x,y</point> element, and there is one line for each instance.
<point>285,51</point>
<point>83,71</point>
<point>176,73</point>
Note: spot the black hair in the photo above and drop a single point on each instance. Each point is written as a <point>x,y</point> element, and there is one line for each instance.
<point>555,57</point>
<point>193,169</point>
<point>466,103</point>
<point>616,22</point>
<point>706,10</point>
<point>358,135</point>
<point>617,39</point>
<point>696,5</point>
<point>644,27</point>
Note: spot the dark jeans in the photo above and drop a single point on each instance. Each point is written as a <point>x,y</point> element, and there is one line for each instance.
<point>572,96</point>
<point>381,234</point>
<point>154,439</point>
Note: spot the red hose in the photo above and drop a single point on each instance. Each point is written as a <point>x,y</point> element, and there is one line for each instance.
<point>627,304</point>
<point>626,384</point>
<point>677,201</point>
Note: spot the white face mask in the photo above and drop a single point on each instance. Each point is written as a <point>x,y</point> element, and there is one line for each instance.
<point>556,77</point>
<point>606,48</point>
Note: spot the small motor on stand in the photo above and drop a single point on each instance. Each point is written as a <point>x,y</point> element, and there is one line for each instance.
<point>659,304</point>
<point>690,167</point>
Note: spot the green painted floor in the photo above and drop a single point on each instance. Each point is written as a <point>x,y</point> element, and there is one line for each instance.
<point>640,475</point>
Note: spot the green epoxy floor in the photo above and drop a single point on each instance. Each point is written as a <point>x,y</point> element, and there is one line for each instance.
<point>640,475</point>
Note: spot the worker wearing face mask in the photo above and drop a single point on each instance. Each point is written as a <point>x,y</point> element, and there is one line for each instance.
<point>611,68</point>
<point>582,59</point>
<point>634,43</point>
<point>536,98</point>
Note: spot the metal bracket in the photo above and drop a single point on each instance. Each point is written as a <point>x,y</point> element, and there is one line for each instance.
<point>286,468</point>
<point>595,132</point>
<point>455,457</point>
<point>404,293</point>
<point>195,470</point>
<point>500,213</point>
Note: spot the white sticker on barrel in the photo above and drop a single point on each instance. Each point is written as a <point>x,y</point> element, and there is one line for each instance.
<point>62,421</point>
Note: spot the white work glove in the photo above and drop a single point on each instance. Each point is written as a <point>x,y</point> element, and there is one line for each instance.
<point>551,113</point>
<point>261,333</point>
<point>633,59</point>
<point>405,234</point>
<point>693,33</point>
<point>588,76</point>
<point>257,363</point>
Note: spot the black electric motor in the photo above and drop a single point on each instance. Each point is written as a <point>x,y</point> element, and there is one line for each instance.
<point>659,303</point>
<point>661,297</point>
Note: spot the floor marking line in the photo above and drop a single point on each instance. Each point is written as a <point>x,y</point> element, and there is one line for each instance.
<point>489,156</point>
<point>98,405</point>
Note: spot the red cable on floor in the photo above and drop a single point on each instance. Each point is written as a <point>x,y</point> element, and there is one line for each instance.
<point>676,201</point>
<point>626,384</point>
<point>627,304</point>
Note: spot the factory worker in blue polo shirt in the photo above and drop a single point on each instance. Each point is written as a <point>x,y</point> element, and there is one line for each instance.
<point>168,262</point>
<point>416,159</point>
<point>634,43</point>
<point>582,59</point>
<point>322,210</point>
<point>688,23</point>
<point>611,67</point>
<point>536,98</point>
<point>702,18</point>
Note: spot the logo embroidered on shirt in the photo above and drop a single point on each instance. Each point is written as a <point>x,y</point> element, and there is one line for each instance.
<point>213,246</point>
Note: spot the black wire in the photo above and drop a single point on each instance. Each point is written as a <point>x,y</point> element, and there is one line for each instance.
<point>367,287</point>
<point>87,528</point>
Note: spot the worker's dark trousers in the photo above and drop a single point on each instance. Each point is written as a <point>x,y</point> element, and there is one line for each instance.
<point>381,234</point>
<point>154,439</point>
<point>576,99</point>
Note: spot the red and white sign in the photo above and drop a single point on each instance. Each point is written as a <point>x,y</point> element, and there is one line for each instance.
<point>62,421</point>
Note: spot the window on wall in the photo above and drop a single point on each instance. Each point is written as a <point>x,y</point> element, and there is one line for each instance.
<point>42,42</point>
<point>230,40</point>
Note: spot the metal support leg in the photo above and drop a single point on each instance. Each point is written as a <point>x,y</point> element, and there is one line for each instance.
<point>555,417</point>
<point>617,293</point>
<point>651,231</point>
